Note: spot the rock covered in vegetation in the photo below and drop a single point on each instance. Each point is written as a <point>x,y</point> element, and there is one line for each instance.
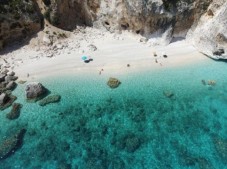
<point>18,19</point>
<point>35,90</point>
<point>15,111</point>
<point>113,82</point>
<point>11,144</point>
<point>50,99</point>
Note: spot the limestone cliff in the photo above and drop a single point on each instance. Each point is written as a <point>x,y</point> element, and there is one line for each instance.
<point>151,18</point>
<point>141,16</point>
<point>18,19</point>
<point>210,35</point>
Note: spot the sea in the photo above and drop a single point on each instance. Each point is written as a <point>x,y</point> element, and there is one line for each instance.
<point>169,118</point>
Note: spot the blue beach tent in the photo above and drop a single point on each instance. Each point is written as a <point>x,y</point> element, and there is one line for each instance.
<point>84,57</point>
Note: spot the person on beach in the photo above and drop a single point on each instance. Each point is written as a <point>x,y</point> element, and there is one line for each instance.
<point>100,72</point>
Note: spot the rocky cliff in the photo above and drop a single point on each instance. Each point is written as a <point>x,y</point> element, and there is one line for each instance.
<point>210,35</point>
<point>18,19</point>
<point>151,18</point>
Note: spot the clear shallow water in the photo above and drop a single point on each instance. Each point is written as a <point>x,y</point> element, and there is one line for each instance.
<point>132,127</point>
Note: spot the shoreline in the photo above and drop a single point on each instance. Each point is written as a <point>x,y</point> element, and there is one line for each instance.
<point>114,53</point>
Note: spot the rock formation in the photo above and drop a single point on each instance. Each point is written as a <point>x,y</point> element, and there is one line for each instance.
<point>50,99</point>
<point>18,19</point>
<point>210,35</point>
<point>113,83</point>
<point>157,20</point>
<point>35,90</point>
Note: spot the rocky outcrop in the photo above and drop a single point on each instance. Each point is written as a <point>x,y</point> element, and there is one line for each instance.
<point>18,19</point>
<point>210,35</point>
<point>68,14</point>
<point>149,18</point>
<point>50,99</point>
<point>152,18</point>
<point>158,20</point>
<point>35,91</point>
<point>113,83</point>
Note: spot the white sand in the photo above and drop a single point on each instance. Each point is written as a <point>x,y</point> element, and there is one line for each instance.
<point>113,54</point>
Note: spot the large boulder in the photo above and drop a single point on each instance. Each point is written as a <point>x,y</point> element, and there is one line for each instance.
<point>50,99</point>
<point>113,82</point>
<point>35,91</point>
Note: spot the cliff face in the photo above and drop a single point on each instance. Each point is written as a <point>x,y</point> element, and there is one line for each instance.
<point>18,19</point>
<point>210,35</point>
<point>147,17</point>
<point>150,18</point>
<point>141,16</point>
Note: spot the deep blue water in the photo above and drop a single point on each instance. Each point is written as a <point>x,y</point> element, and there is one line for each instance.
<point>132,127</point>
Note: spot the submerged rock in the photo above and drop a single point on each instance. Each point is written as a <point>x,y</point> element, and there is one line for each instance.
<point>50,99</point>
<point>220,145</point>
<point>128,142</point>
<point>35,90</point>
<point>15,111</point>
<point>203,82</point>
<point>113,83</point>
<point>211,82</point>
<point>22,81</point>
<point>168,94</point>
<point>11,144</point>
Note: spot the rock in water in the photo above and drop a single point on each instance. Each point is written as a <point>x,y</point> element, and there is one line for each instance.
<point>50,99</point>
<point>3,99</point>
<point>11,144</point>
<point>15,112</point>
<point>22,81</point>
<point>11,85</point>
<point>168,94</point>
<point>113,83</point>
<point>6,100</point>
<point>35,90</point>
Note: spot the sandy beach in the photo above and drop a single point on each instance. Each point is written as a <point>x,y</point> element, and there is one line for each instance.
<point>113,53</point>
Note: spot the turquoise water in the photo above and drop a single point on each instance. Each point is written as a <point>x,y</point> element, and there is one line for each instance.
<point>132,127</point>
